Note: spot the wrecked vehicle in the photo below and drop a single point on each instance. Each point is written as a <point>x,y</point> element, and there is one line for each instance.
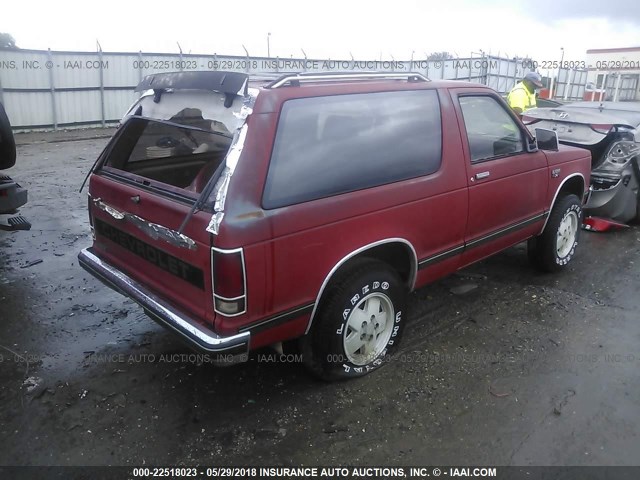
<point>12,195</point>
<point>302,211</point>
<point>547,103</point>
<point>610,131</point>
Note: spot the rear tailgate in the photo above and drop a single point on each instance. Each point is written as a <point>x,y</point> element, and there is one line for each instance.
<point>136,231</point>
<point>167,155</point>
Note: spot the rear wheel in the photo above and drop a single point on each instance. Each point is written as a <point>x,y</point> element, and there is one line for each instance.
<point>359,323</point>
<point>555,247</point>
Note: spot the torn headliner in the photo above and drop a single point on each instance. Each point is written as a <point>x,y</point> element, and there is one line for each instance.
<point>210,104</point>
<point>212,107</point>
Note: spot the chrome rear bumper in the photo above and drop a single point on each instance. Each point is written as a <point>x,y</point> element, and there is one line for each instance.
<point>228,350</point>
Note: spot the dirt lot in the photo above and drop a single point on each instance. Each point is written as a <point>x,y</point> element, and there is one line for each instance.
<point>500,365</point>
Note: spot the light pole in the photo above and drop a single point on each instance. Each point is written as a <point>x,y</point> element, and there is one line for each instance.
<point>552,94</point>
<point>268,45</point>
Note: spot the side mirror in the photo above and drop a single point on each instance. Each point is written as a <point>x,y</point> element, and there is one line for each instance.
<point>547,139</point>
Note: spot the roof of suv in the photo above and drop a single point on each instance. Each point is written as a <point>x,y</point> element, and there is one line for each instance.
<point>384,81</point>
<point>270,98</point>
<point>236,82</point>
<point>358,78</point>
<point>277,88</point>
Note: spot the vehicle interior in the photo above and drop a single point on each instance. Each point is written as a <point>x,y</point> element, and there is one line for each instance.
<point>490,130</point>
<point>183,152</point>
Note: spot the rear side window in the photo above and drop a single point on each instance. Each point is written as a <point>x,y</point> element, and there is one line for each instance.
<point>330,145</point>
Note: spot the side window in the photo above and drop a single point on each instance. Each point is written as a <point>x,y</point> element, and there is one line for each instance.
<point>490,130</point>
<point>330,145</point>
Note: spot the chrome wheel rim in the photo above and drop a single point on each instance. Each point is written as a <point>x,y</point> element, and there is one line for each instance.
<point>368,328</point>
<point>567,232</point>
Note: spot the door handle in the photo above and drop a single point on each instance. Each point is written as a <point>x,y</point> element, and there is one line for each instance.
<point>482,175</point>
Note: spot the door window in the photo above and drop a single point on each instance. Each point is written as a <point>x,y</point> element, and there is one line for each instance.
<point>491,131</point>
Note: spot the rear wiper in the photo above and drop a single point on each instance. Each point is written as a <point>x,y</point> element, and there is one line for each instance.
<point>206,191</point>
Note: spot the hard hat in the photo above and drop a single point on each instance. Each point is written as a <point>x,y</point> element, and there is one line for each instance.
<point>534,78</point>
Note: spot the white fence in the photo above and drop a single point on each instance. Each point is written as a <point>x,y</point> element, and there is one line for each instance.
<point>570,84</point>
<point>43,89</point>
<point>620,86</point>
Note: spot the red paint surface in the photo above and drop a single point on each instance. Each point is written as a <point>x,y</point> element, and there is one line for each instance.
<point>291,250</point>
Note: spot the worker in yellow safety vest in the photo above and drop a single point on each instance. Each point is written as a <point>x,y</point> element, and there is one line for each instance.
<point>522,97</point>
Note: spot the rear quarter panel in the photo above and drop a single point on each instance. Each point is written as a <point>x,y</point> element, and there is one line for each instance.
<point>289,251</point>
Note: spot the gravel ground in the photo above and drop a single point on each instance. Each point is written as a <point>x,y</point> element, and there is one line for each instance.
<point>500,365</point>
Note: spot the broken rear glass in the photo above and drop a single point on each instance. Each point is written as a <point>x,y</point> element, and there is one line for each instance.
<point>182,152</point>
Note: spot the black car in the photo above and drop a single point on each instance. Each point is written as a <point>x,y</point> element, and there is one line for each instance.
<point>611,131</point>
<point>12,195</point>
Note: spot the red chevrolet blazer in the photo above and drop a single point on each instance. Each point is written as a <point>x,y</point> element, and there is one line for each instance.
<point>242,213</point>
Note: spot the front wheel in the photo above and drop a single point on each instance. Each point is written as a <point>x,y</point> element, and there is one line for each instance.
<point>359,323</point>
<point>556,246</point>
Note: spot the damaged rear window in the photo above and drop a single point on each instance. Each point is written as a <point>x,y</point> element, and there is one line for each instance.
<point>183,151</point>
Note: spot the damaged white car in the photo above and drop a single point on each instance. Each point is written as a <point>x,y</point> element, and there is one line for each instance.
<point>611,131</point>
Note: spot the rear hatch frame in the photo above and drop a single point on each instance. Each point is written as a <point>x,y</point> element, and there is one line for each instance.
<point>114,207</point>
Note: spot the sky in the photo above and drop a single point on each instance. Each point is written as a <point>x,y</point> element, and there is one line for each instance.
<point>336,29</point>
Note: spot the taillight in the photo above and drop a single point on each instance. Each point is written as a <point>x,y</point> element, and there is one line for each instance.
<point>601,127</point>
<point>229,281</point>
